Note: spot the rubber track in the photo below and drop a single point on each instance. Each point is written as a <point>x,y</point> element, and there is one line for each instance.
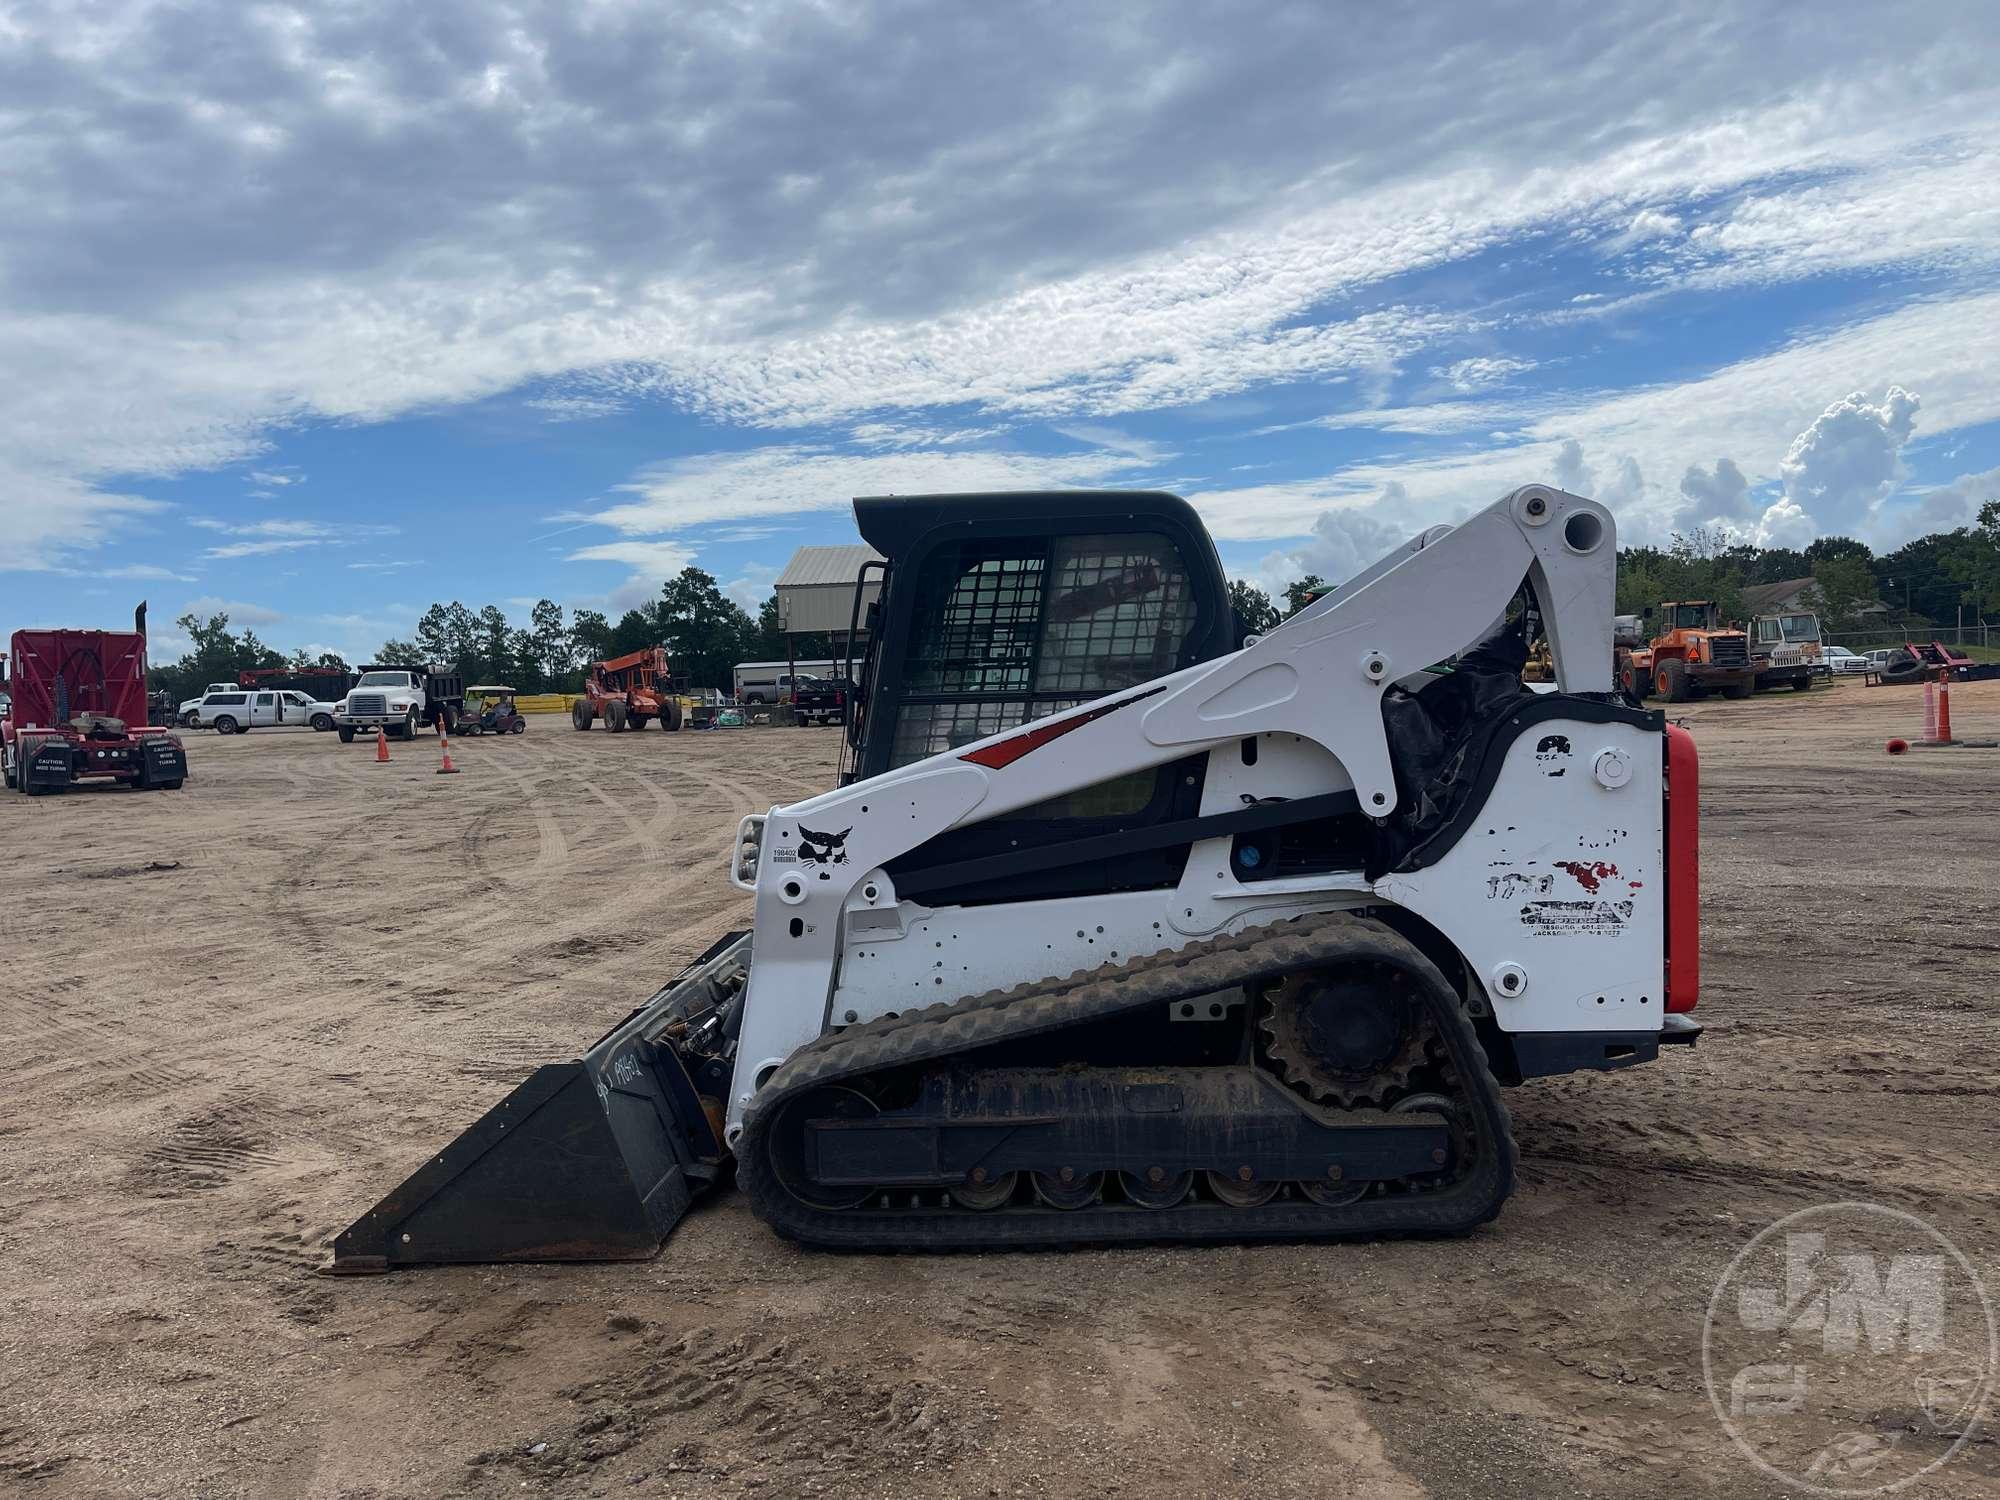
<point>944,1031</point>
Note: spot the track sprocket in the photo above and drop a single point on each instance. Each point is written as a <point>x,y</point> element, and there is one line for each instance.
<point>1349,1036</point>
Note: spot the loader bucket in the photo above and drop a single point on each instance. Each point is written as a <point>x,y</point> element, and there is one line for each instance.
<point>593,1159</point>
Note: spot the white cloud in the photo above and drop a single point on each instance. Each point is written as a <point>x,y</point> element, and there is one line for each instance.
<point>1112,439</point>
<point>1785,524</point>
<point>284,535</point>
<point>199,250</point>
<point>1945,508</point>
<point>1849,458</point>
<point>752,588</point>
<point>1483,371</point>
<point>1719,495</point>
<point>140,571</point>
<point>1571,472</point>
<point>240,613</point>
<point>790,478</point>
<point>1752,410</point>
<point>651,564</point>
<point>576,408</point>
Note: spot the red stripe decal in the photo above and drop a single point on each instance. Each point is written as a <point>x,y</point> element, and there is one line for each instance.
<point>1004,753</point>
<point>1683,871</point>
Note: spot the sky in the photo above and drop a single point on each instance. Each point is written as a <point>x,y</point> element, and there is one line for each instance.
<point>317,315</point>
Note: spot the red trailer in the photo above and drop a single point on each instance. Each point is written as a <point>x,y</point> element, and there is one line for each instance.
<point>78,713</point>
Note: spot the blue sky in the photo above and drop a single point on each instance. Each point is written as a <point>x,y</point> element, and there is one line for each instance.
<point>319,316</point>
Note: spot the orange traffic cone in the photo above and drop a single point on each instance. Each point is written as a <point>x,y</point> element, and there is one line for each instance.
<point>381,746</point>
<point>447,769</point>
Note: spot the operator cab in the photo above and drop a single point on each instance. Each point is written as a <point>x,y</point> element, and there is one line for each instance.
<point>997,609</point>
<point>1693,614</point>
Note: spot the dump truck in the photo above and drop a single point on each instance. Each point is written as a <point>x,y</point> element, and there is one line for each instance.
<point>77,713</point>
<point>396,697</point>
<point>1694,653</point>
<point>629,692</point>
<point>1784,648</point>
<point>1118,928</point>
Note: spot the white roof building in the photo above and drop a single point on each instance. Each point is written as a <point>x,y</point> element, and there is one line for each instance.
<point>816,590</point>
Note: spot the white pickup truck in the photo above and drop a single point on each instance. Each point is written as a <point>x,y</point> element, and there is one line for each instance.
<point>186,715</point>
<point>397,700</point>
<point>232,710</point>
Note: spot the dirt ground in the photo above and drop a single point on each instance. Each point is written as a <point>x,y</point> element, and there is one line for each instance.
<point>235,1016</point>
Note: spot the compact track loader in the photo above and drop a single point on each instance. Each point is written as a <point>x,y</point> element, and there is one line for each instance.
<point>1123,926</point>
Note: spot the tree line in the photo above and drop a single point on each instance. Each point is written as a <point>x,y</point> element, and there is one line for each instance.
<point>705,632</point>
<point>1924,583</point>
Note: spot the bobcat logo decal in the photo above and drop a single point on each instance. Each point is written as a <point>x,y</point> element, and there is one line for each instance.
<point>823,848</point>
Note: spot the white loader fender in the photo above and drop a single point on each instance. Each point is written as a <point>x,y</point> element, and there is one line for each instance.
<point>1555,895</point>
<point>814,855</point>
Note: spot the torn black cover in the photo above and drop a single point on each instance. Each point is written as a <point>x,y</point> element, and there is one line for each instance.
<point>1438,737</point>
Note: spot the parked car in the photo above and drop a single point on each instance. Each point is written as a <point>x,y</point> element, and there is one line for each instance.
<point>236,710</point>
<point>1838,661</point>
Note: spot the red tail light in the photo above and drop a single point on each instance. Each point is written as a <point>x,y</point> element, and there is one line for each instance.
<point>1683,871</point>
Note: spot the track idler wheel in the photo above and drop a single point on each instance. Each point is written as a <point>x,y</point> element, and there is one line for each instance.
<point>1333,1192</point>
<point>829,1102</point>
<point>1240,1191</point>
<point>1069,1189</point>
<point>1156,1187</point>
<point>983,1191</point>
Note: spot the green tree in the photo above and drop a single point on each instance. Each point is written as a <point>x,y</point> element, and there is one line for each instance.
<point>217,656</point>
<point>589,640</point>
<point>1845,584</point>
<point>1825,547</point>
<point>549,642</point>
<point>1299,595</point>
<point>635,631</point>
<point>319,661</point>
<point>493,645</point>
<point>705,632</point>
<point>1972,560</point>
<point>402,654</point>
<point>1252,605</point>
<point>449,636</point>
<point>1922,577</point>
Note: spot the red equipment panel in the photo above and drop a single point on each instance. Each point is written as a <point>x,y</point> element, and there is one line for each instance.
<point>80,671</point>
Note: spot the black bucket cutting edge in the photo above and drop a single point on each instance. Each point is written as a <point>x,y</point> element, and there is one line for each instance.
<point>593,1159</point>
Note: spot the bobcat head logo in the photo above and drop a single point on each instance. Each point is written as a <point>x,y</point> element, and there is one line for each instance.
<point>823,848</point>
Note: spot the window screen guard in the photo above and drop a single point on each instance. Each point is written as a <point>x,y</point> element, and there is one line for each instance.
<point>1009,631</point>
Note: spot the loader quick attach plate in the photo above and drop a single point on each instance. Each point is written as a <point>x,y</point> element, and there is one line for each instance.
<point>594,1159</point>
<point>799,1157</point>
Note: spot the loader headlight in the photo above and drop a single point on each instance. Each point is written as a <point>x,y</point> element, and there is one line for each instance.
<point>744,858</point>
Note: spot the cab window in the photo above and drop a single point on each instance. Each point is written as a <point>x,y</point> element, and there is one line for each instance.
<point>1011,631</point>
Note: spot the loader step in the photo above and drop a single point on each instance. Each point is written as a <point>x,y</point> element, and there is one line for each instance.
<point>827,1162</point>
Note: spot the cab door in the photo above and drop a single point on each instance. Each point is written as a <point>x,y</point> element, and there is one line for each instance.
<point>264,710</point>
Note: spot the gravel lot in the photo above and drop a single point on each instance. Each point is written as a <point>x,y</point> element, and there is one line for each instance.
<point>236,1015</point>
